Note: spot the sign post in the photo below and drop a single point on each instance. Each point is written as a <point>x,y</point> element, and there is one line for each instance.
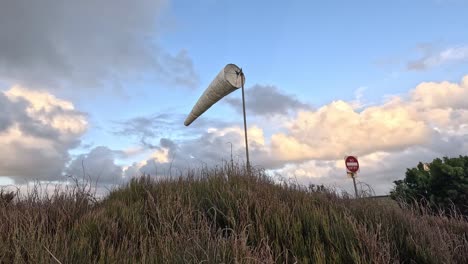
<point>352,167</point>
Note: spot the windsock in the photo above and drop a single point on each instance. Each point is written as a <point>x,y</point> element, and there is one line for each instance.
<point>229,79</point>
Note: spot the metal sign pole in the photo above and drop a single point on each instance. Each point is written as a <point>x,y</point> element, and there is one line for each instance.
<point>352,167</point>
<point>245,122</point>
<point>354,181</point>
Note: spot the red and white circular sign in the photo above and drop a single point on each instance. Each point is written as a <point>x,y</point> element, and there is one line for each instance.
<point>352,164</point>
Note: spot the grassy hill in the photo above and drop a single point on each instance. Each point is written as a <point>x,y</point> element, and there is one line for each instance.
<point>210,218</point>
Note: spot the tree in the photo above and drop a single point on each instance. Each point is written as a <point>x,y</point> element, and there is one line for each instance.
<point>442,184</point>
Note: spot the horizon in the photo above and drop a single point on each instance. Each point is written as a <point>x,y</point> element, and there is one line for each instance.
<point>108,85</point>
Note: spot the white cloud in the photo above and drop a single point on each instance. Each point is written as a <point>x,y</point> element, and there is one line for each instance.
<point>441,95</point>
<point>388,138</point>
<point>209,148</point>
<point>37,131</point>
<point>336,130</point>
<point>49,110</point>
<point>432,122</point>
<point>432,59</point>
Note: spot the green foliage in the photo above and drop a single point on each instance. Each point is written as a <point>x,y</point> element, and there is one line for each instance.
<point>239,219</point>
<point>442,185</point>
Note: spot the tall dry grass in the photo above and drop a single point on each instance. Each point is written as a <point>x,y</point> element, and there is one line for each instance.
<point>208,217</point>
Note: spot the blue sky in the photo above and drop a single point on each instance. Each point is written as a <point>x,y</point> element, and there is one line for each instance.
<point>319,51</point>
<point>156,57</point>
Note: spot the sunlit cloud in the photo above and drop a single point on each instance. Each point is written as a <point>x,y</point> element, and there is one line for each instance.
<point>38,130</point>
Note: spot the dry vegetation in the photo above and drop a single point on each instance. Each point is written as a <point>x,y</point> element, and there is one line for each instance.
<point>208,217</point>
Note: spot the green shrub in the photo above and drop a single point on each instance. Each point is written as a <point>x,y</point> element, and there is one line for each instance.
<point>441,185</point>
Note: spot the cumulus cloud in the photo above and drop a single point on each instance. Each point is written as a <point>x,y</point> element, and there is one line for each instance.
<point>388,138</point>
<point>337,129</point>
<point>432,111</point>
<point>432,59</point>
<point>37,130</point>
<point>54,43</point>
<point>441,95</point>
<point>207,149</point>
<point>378,169</point>
<point>98,166</point>
<point>432,121</point>
<point>267,101</point>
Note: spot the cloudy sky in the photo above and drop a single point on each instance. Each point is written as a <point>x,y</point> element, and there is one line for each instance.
<point>102,88</point>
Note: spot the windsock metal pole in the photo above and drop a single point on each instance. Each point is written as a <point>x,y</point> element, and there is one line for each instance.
<point>245,121</point>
